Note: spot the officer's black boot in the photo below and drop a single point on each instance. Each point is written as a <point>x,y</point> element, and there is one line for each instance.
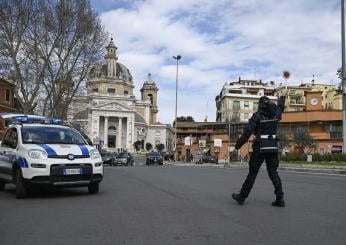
<point>279,202</point>
<point>240,200</point>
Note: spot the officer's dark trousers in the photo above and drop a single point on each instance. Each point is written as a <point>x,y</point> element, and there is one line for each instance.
<point>255,163</point>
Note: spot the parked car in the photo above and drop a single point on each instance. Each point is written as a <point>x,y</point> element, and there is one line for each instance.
<point>154,158</point>
<point>107,157</point>
<point>209,159</point>
<point>124,158</point>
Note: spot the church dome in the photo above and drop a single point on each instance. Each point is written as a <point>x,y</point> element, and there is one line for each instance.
<point>101,71</point>
<point>110,68</point>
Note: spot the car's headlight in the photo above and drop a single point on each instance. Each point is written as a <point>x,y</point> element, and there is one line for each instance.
<point>38,154</point>
<point>94,153</point>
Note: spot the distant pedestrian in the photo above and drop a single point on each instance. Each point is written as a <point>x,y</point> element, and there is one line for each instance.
<point>263,124</point>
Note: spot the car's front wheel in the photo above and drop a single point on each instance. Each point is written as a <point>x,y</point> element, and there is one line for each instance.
<point>21,188</point>
<point>93,188</point>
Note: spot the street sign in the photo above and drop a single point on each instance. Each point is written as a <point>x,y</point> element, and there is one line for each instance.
<point>217,142</point>
<point>202,143</point>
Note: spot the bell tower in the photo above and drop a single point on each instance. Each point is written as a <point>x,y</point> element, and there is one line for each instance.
<point>149,91</point>
<point>111,58</point>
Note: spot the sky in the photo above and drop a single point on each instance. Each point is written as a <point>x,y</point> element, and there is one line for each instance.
<point>220,41</point>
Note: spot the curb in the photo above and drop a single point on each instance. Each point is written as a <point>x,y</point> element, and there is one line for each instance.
<point>284,167</point>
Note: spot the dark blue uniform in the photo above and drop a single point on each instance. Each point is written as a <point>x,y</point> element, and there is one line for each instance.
<point>265,112</point>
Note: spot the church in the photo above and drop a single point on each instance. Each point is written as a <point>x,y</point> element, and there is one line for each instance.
<point>111,115</point>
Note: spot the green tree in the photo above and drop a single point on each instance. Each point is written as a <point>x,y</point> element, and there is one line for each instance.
<point>148,146</point>
<point>160,147</point>
<point>184,119</point>
<point>137,145</point>
<point>283,140</point>
<point>303,140</point>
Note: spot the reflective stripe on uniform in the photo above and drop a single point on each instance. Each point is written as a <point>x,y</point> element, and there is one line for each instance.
<point>267,136</point>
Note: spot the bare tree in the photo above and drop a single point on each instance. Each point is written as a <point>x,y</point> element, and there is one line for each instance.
<point>48,48</point>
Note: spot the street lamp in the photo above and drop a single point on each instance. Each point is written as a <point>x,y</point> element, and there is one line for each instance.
<point>177,58</point>
<point>343,74</point>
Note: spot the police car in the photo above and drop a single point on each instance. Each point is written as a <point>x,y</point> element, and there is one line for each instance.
<point>34,154</point>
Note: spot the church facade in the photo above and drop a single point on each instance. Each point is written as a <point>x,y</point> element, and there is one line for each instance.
<point>110,114</point>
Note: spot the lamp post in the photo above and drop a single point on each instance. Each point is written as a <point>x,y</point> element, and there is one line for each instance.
<point>343,74</point>
<point>177,58</point>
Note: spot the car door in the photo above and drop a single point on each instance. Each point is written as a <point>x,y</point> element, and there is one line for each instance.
<point>8,154</point>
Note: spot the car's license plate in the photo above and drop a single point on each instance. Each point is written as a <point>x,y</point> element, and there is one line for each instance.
<point>72,171</point>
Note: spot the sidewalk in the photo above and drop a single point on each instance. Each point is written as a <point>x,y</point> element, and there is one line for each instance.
<point>310,168</point>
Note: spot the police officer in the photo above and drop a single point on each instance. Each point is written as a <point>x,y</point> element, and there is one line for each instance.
<point>263,124</point>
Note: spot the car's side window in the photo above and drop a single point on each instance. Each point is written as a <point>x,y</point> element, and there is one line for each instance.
<point>10,139</point>
<point>14,138</point>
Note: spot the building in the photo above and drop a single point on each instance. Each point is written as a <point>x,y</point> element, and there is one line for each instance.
<point>200,137</point>
<point>323,124</point>
<point>331,97</point>
<point>237,101</point>
<point>7,100</point>
<point>110,114</point>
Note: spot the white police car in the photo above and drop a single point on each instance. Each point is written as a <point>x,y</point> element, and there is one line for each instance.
<point>33,154</point>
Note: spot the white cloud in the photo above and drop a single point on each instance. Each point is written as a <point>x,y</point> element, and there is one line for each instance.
<point>222,40</point>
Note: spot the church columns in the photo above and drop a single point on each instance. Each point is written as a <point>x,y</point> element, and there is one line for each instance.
<point>119,140</point>
<point>95,128</point>
<point>105,136</point>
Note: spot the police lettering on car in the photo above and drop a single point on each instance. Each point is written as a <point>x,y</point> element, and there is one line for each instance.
<point>34,153</point>
<point>263,124</point>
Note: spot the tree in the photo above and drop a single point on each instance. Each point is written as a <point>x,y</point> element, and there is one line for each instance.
<point>160,147</point>
<point>49,53</point>
<point>303,140</point>
<point>283,140</point>
<point>148,146</point>
<point>137,145</point>
<point>184,119</point>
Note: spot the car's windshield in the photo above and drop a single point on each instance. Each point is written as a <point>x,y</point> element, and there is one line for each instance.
<point>51,135</point>
<point>122,155</point>
<point>154,154</point>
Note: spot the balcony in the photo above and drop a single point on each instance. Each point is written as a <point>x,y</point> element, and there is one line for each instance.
<point>297,102</point>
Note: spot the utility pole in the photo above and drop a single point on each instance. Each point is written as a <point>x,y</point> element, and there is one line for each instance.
<point>177,58</point>
<point>343,74</point>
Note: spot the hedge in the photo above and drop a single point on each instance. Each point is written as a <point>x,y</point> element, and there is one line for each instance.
<point>316,157</point>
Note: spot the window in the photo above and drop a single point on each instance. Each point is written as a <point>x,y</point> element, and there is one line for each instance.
<point>10,139</point>
<point>126,92</point>
<point>246,116</point>
<point>7,95</point>
<point>111,90</point>
<point>50,135</point>
<point>255,106</point>
<point>95,90</point>
<point>246,104</point>
<point>236,105</point>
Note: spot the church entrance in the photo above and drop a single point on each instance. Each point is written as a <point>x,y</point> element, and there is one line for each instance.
<point>112,137</point>
<point>112,141</point>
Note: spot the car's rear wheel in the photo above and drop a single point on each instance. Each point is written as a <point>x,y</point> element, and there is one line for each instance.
<point>93,188</point>
<point>2,186</point>
<point>21,188</point>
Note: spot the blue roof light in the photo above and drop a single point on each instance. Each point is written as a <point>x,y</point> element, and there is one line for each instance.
<point>21,119</point>
<point>55,121</point>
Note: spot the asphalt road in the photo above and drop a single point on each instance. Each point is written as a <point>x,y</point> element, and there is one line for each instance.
<point>179,205</point>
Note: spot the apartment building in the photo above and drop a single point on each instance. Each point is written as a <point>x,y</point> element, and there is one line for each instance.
<point>330,98</point>
<point>237,101</point>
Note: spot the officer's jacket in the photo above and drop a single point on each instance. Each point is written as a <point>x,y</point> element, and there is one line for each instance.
<point>252,127</point>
